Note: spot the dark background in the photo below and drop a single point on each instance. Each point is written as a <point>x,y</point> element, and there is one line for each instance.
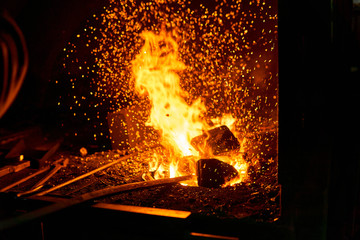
<point>47,26</point>
<point>319,128</point>
<point>318,143</point>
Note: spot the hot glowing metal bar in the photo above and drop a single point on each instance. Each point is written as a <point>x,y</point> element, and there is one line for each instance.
<point>125,208</point>
<point>145,210</point>
<point>211,236</point>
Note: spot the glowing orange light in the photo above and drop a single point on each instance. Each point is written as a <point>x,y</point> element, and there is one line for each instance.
<point>155,70</point>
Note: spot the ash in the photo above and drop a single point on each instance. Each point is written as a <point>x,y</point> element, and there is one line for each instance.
<point>260,201</point>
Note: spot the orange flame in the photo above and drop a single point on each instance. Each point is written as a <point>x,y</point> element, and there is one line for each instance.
<point>156,69</point>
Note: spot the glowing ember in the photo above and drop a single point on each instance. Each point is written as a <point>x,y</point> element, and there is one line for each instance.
<point>196,66</point>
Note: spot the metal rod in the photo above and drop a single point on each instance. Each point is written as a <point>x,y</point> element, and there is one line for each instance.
<point>41,183</point>
<point>25,179</point>
<point>14,168</point>
<point>8,223</point>
<point>132,186</point>
<point>84,175</point>
<point>58,166</point>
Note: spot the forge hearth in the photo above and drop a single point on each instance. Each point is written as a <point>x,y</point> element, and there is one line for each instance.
<point>186,94</point>
<point>80,87</point>
<point>202,85</point>
<point>259,201</point>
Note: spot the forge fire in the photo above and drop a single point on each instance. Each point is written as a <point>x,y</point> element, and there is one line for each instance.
<point>191,88</point>
<point>172,71</point>
<point>179,124</point>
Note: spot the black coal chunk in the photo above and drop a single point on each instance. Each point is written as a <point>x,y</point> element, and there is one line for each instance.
<point>213,173</point>
<point>216,141</point>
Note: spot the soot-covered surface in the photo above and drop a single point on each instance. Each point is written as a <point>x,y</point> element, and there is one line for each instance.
<point>259,200</point>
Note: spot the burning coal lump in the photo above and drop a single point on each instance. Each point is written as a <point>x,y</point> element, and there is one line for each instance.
<point>217,141</point>
<point>213,153</point>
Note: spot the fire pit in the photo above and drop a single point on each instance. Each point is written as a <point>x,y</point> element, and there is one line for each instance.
<point>188,93</point>
<point>196,93</point>
<point>81,87</point>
